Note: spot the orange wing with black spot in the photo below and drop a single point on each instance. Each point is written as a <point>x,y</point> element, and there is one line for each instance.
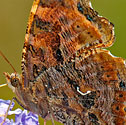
<point>57,29</point>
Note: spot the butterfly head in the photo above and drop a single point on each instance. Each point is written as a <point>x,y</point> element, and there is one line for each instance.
<point>13,80</point>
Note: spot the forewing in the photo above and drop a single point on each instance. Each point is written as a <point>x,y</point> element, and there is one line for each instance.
<point>56,30</point>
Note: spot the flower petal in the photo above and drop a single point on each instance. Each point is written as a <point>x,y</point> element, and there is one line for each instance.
<point>4,106</point>
<point>21,117</point>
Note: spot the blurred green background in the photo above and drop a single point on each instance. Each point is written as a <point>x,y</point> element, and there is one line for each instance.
<point>13,20</point>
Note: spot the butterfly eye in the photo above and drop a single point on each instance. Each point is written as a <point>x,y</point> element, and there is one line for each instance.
<point>14,82</point>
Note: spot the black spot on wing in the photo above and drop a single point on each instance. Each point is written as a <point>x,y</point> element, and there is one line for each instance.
<point>88,100</point>
<point>93,118</point>
<point>122,85</point>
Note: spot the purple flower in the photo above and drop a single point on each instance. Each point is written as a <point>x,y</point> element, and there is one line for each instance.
<point>26,118</point>
<point>21,117</point>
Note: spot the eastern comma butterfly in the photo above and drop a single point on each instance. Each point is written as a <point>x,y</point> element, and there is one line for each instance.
<point>66,75</point>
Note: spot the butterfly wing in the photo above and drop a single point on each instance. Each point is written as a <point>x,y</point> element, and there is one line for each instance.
<point>56,30</point>
<point>58,34</point>
<point>90,91</point>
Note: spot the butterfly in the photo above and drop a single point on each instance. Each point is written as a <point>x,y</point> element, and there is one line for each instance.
<point>67,76</point>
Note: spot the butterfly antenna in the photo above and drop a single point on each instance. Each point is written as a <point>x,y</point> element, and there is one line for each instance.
<point>3,85</point>
<point>7,61</point>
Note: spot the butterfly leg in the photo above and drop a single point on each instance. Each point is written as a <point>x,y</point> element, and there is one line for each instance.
<point>14,98</point>
<point>52,119</point>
